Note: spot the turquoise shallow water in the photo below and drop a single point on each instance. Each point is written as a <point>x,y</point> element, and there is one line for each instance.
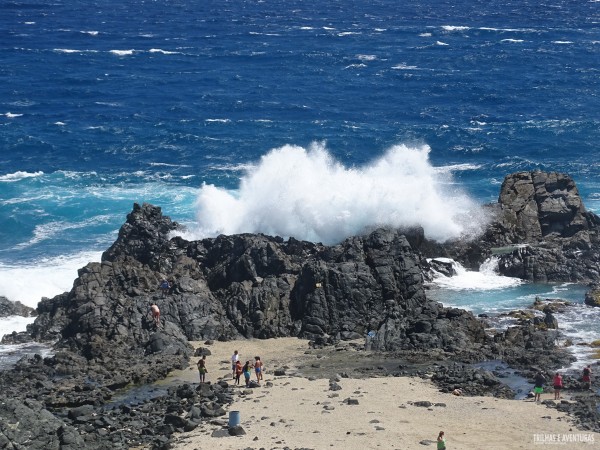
<point>492,295</point>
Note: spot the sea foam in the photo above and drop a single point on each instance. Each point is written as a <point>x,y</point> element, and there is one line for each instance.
<point>45,278</point>
<point>307,194</point>
<point>486,279</point>
<point>13,323</point>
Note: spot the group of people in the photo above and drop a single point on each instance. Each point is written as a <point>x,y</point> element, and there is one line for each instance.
<point>237,369</point>
<point>557,383</point>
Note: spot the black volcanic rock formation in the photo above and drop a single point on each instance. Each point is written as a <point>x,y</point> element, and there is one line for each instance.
<point>8,308</point>
<point>540,231</point>
<point>252,285</point>
<point>248,285</point>
<point>540,206</point>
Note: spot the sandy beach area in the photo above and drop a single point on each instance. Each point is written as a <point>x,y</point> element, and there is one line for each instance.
<point>300,411</point>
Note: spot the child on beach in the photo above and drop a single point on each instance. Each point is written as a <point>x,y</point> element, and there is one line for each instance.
<point>441,441</point>
<point>538,388</point>
<point>587,377</point>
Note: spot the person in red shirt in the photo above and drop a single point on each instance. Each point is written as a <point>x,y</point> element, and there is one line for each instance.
<point>587,377</point>
<point>238,371</point>
<point>557,381</point>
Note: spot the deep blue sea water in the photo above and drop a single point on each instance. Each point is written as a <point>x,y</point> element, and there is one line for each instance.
<point>297,118</point>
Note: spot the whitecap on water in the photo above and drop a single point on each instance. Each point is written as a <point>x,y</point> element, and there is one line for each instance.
<point>17,176</point>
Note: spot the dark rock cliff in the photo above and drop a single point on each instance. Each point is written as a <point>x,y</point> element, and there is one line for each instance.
<point>540,231</point>
<point>252,286</point>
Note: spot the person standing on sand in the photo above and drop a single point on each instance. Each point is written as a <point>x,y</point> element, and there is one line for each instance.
<point>558,385</point>
<point>246,372</point>
<point>258,368</point>
<point>587,377</point>
<point>234,359</point>
<point>238,372</point>
<point>538,388</point>
<point>202,371</point>
<point>441,441</point>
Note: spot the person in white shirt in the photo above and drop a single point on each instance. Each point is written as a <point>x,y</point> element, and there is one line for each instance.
<point>234,359</point>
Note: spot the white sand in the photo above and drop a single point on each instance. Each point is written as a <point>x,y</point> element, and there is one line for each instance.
<point>298,413</point>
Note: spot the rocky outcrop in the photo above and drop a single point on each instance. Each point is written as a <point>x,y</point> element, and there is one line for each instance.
<point>67,413</point>
<point>544,206</point>
<point>252,285</point>
<point>9,308</point>
<point>545,212</point>
<point>42,430</point>
<point>374,283</point>
<point>592,296</point>
<point>248,286</point>
<point>539,231</point>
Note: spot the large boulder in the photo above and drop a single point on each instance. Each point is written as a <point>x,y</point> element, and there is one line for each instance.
<point>373,284</point>
<point>540,206</point>
<point>144,236</point>
<point>592,296</point>
<point>545,214</point>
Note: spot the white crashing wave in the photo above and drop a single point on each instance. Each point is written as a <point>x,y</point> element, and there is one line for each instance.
<point>17,176</point>
<point>164,52</point>
<point>454,28</point>
<point>485,279</point>
<point>44,278</point>
<point>307,194</point>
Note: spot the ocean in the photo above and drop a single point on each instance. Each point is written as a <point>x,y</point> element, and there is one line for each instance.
<point>316,120</point>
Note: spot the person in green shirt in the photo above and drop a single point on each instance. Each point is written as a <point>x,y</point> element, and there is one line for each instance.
<point>441,441</point>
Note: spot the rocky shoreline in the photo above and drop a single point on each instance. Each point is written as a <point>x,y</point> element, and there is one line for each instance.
<point>255,286</point>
